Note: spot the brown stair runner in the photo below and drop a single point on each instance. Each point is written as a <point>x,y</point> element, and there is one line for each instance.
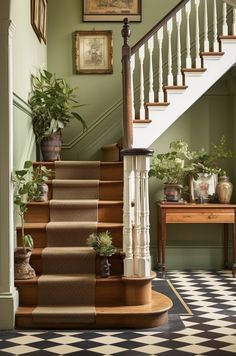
<point>67,286</point>
<point>76,233</point>
<point>77,170</point>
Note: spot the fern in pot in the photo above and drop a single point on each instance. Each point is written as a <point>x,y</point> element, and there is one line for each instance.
<point>53,105</point>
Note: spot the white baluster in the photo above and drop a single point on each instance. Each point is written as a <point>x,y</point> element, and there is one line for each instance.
<point>225,26</point>
<point>151,48</point>
<point>137,222</point>
<point>145,259</point>
<point>160,71</point>
<point>234,22</point>
<point>178,23</point>
<point>132,64</point>
<point>197,42</point>
<point>215,41</point>
<point>127,217</point>
<point>206,40</point>
<point>188,54</point>
<point>141,59</point>
<point>169,32</point>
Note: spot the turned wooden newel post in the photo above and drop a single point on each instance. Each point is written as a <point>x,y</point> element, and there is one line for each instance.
<point>136,239</point>
<point>127,88</point>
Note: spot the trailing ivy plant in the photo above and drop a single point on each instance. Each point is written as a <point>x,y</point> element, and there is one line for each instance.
<point>26,183</point>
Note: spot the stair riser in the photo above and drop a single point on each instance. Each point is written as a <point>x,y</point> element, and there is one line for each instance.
<point>107,212</point>
<point>39,236</point>
<point>108,171</point>
<point>115,260</point>
<point>108,294</point>
<point>107,191</point>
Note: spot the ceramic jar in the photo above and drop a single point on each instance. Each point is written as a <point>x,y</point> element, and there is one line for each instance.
<point>224,189</point>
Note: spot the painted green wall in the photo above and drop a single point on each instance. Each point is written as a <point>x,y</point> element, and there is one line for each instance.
<point>189,246</point>
<point>213,115</point>
<point>101,93</point>
<point>28,56</point>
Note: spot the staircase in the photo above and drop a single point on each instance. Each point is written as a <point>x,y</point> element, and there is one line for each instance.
<point>68,292</point>
<point>175,63</point>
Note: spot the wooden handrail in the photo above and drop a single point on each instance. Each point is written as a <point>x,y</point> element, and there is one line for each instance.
<point>127,93</point>
<point>161,23</point>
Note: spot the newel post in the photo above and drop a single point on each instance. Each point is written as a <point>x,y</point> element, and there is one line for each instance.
<point>136,236</point>
<point>127,88</point>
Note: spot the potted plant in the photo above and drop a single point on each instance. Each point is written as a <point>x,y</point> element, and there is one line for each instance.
<point>200,167</point>
<point>53,103</point>
<point>27,183</point>
<point>171,168</point>
<point>102,244</point>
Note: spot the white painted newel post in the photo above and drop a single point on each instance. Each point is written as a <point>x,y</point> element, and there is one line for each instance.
<point>136,237</point>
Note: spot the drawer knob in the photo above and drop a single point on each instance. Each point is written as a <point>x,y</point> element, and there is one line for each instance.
<point>212,216</point>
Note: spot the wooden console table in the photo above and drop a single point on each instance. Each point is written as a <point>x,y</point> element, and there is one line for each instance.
<point>172,213</point>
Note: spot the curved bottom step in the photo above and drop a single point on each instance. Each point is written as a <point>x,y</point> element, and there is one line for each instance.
<point>112,317</point>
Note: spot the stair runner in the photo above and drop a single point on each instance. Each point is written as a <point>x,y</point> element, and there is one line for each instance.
<point>67,284</point>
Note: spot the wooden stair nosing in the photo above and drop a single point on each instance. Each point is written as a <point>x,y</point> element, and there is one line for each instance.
<point>139,316</point>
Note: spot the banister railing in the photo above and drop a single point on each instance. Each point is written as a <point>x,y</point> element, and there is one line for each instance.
<point>160,24</point>
<point>158,60</point>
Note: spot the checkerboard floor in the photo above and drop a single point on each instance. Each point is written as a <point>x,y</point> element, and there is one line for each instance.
<point>211,330</point>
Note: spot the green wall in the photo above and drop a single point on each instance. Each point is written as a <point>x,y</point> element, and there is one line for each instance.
<point>101,93</point>
<point>28,56</point>
<point>213,115</point>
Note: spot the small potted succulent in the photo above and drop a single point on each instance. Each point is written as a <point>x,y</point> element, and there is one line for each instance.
<point>102,244</point>
<point>26,182</point>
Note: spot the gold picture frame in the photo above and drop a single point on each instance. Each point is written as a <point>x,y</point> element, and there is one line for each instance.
<point>43,9</point>
<point>111,10</point>
<point>93,52</point>
<point>35,8</point>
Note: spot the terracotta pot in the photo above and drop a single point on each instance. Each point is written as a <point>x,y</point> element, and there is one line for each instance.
<point>22,268</point>
<point>51,147</point>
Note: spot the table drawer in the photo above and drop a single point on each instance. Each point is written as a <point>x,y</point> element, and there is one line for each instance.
<point>198,217</point>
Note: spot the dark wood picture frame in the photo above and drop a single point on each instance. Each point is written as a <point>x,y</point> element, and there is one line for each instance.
<point>35,5</point>
<point>112,10</point>
<point>43,9</point>
<point>93,52</point>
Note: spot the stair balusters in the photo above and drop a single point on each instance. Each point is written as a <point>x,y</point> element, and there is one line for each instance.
<point>188,55</point>
<point>170,80</point>
<point>206,40</point>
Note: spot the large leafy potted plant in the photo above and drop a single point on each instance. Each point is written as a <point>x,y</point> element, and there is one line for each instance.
<point>27,183</point>
<point>53,105</point>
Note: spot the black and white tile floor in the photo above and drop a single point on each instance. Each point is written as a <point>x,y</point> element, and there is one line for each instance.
<point>211,330</point>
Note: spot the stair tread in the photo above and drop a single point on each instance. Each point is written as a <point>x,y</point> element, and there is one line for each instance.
<point>43,225</point>
<point>160,303</point>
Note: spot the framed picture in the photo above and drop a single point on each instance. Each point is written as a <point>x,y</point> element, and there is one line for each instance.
<point>111,10</point>
<point>35,18</point>
<point>203,188</point>
<point>43,7</point>
<point>93,52</point>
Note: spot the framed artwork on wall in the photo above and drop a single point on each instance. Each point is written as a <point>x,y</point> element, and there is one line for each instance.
<point>111,10</point>
<point>93,52</point>
<point>43,8</point>
<point>35,18</point>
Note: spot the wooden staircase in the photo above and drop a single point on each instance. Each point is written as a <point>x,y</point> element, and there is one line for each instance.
<point>119,301</point>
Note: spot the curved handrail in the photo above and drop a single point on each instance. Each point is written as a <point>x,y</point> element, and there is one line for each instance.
<point>161,23</point>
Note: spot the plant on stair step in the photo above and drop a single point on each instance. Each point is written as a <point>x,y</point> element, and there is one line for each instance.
<point>26,182</point>
<point>53,105</point>
<point>102,244</point>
